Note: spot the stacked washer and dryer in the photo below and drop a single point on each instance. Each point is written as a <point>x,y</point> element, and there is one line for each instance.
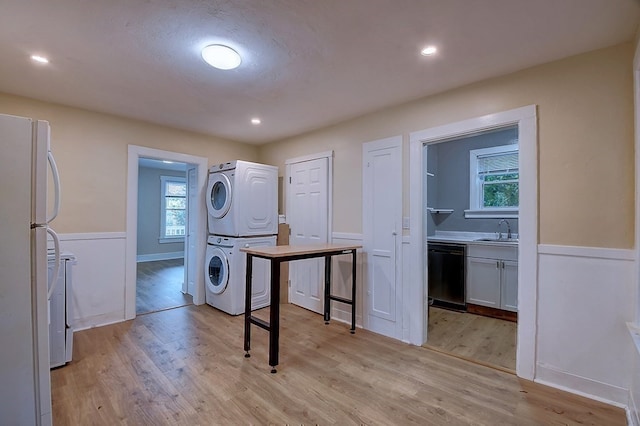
<point>242,202</point>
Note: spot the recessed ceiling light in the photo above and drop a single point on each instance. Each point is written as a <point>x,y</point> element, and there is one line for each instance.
<point>428,51</point>
<point>40,59</point>
<point>255,121</point>
<point>221,57</point>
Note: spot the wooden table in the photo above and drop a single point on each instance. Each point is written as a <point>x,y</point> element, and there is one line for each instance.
<point>276,255</point>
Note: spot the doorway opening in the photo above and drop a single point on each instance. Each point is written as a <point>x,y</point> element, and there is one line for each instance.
<point>183,212</point>
<point>525,120</point>
<point>471,188</point>
<point>162,226</point>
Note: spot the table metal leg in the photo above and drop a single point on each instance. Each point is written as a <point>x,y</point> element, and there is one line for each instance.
<point>353,291</point>
<point>273,327</point>
<point>274,315</point>
<point>247,306</point>
<point>327,289</point>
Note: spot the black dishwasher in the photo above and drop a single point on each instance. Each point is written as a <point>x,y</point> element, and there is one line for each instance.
<point>446,275</point>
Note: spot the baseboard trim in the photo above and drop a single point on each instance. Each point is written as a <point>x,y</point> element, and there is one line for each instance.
<point>492,312</point>
<point>98,320</point>
<point>345,317</point>
<point>549,376</point>
<point>159,256</point>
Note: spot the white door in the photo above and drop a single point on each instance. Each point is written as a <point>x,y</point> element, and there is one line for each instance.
<point>308,217</point>
<point>189,283</point>
<point>382,229</point>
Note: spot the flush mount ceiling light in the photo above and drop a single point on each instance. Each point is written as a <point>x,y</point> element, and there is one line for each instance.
<point>221,57</point>
<point>40,59</point>
<point>255,121</point>
<point>428,51</point>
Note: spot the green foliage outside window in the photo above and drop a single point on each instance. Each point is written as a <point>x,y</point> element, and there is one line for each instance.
<point>500,190</point>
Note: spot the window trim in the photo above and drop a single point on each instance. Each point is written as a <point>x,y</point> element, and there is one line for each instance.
<point>476,211</point>
<point>164,239</point>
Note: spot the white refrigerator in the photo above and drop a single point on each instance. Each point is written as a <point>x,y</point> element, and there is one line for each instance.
<point>25,385</point>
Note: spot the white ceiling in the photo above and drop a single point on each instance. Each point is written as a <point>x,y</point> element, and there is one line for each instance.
<point>306,63</point>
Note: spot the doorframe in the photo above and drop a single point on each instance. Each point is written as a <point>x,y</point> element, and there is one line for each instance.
<point>636,122</point>
<point>526,120</point>
<point>192,218</point>
<point>136,152</point>
<point>329,156</point>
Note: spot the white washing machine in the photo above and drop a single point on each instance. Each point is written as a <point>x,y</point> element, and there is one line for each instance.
<point>225,273</point>
<point>242,199</point>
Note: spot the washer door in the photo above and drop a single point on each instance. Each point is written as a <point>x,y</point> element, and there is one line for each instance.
<point>216,271</point>
<point>218,195</point>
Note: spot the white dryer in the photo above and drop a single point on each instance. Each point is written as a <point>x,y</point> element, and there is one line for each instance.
<point>225,272</point>
<point>242,199</point>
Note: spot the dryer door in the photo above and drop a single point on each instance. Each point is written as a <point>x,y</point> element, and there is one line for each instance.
<point>218,195</point>
<point>216,270</point>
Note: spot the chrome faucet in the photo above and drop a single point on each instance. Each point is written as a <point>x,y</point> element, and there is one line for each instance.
<point>508,229</point>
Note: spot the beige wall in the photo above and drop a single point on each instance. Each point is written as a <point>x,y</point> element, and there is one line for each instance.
<point>586,149</point>
<point>91,151</point>
<point>586,172</point>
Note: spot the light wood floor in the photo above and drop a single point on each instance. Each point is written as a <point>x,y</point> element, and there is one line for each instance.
<point>186,366</point>
<point>489,341</point>
<point>159,286</point>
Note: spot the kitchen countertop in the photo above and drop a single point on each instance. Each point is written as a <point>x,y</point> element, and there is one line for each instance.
<point>469,238</point>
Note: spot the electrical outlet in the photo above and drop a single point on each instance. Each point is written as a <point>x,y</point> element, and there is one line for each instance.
<point>406,223</point>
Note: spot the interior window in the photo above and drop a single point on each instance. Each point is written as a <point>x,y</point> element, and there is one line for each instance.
<point>494,181</point>
<point>174,207</point>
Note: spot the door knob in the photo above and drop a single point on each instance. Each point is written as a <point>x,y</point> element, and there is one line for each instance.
<point>394,233</point>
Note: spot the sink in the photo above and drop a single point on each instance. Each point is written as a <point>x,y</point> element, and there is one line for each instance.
<point>498,240</point>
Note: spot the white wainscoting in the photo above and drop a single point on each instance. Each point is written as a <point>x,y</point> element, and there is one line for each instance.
<point>341,279</point>
<point>585,298</point>
<point>98,277</point>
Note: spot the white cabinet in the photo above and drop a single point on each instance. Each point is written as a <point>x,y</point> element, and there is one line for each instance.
<point>483,282</point>
<point>509,282</point>
<point>492,276</point>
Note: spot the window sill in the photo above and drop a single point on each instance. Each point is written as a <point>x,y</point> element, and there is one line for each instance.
<point>435,210</point>
<point>491,214</point>
<point>171,240</point>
